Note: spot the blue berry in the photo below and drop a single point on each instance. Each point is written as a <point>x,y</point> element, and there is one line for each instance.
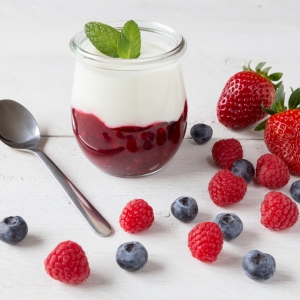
<point>230,225</point>
<point>131,256</point>
<point>295,190</point>
<point>243,168</point>
<point>259,266</point>
<point>185,209</point>
<point>13,230</point>
<point>201,133</point>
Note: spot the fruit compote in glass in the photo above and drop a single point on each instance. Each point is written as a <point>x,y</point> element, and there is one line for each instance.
<point>129,115</point>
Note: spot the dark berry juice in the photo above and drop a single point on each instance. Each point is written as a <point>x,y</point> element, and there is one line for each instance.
<point>128,150</point>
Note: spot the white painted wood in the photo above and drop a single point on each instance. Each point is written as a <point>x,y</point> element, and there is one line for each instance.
<point>37,69</point>
<point>37,66</point>
<point>171,272</point>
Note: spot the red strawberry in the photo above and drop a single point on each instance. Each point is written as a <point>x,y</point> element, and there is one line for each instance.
<point>282,129</point>
<point>239,105</point>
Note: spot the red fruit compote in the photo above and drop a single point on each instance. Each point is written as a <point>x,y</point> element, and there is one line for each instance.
<point>129,116</point>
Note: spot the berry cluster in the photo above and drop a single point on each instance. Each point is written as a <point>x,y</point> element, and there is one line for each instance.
<point>228,187</point>
<point>68,262</point>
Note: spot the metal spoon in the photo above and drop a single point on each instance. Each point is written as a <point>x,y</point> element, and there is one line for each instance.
<point>19,129</point>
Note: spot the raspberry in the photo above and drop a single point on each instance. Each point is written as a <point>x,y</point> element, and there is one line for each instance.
<point>278,211</point>
<point>272,172</point>
<point>226,152</point>
<point>136,216</point>
<point>68,263</point>
<point>225,188</point>
<point>205,241</point>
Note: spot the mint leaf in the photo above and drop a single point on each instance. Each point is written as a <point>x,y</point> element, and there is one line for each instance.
<point>129,43</point>
<point>103,37</point>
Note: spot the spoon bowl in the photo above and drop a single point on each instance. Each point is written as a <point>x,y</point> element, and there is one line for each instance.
<point>19,130</point>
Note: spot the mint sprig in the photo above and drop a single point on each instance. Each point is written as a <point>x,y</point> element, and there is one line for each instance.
<point>129,43</point>
<point>111,42</point>
<point>103,37</point>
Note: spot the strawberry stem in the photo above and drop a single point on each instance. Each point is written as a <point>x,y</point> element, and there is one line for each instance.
<point>264,73</point>
<point>278,105</point>
<point>294,100</point>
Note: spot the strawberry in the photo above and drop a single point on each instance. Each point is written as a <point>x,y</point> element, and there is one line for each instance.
<point>282,129</point>
<point>239,105</point>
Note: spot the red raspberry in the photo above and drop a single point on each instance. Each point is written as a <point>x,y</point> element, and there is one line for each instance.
<point>225,188</point>
<point>272,172</point>
<point>226,152</point>
<point>136,216</point>
<point>205,241</point>
<point>68,263</point>
<point>278,211</point>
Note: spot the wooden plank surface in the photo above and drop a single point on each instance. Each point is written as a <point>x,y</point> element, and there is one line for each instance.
<point>37,70</point>
<point>171,272</point>
<point>37,65</point>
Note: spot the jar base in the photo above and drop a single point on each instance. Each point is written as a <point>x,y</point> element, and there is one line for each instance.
<point>128,151</point>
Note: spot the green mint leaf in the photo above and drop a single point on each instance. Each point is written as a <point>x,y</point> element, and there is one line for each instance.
<point>129,43</point>
<point>103,37</point>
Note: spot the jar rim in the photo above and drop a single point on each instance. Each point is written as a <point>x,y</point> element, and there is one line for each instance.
<point>107,62</point>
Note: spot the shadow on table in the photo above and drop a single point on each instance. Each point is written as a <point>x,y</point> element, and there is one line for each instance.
<point>30,241</point>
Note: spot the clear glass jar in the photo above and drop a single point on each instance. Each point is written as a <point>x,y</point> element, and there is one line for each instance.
<point>129,115</point>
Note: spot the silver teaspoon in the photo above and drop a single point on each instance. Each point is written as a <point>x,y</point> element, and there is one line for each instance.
<point>19,130</point>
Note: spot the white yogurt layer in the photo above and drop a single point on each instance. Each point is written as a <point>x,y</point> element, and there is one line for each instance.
<point>124,98</point>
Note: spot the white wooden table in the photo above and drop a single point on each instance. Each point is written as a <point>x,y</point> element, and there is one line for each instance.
<point>37,70</point>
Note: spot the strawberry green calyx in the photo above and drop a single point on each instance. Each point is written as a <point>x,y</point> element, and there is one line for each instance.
<point>294,101</point>
<point>278,105</point>
<point>264,73</point>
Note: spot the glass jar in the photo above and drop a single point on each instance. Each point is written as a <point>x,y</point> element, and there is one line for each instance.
<point>129,115</point>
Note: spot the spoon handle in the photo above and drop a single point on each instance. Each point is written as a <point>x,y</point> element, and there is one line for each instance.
<point>98,224</point>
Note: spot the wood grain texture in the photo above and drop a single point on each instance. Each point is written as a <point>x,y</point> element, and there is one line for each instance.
<point>37,66</point>
<point>37,70</point>
<point>171,272</point>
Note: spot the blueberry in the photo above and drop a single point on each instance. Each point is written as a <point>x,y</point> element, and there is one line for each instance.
<point>13,230</point>
<point>259,266</point>
<point>230,225</point>
<point>185,209</point>
<point>131,256</point>
<point>201,133</point>
<point>243,168</point>
<point>295,190</point>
